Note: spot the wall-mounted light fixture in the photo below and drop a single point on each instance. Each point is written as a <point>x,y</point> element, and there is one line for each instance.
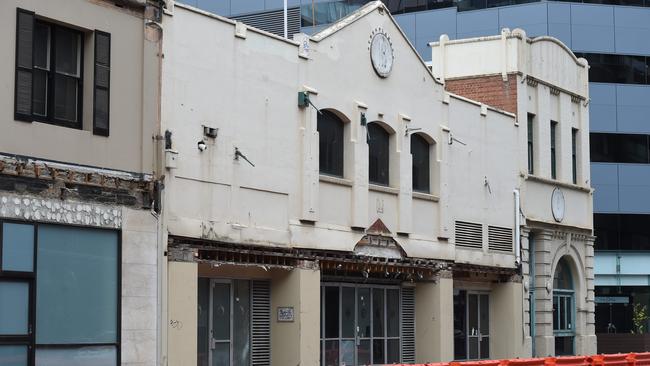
<point>364,119</point>
<point>202,146</point>
<point>304,101</point>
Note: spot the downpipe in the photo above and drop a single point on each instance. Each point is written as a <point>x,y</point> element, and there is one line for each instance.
<point>517,229</point>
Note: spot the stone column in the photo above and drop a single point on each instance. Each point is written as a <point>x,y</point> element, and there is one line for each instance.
<point>296,342</point>
<point>183,307</point>
<point>434,309</point>
<point>527,284</point>
<point>586,328</point>
<point>544,339</point>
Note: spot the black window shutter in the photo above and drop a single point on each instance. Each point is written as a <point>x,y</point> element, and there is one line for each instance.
<point>101,89</point>
<point>24,64</point>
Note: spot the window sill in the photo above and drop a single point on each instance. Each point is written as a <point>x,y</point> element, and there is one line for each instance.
<point>335,180</point>
<point>426,196</point>
<point>383,189</point>
<point>539,179</point>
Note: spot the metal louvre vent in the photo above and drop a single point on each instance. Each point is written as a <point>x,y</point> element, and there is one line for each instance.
<point>500,238</point>
<point>469,234</point>
<point>408,324</point>
<point>261,323</point>
<point>273,21</point>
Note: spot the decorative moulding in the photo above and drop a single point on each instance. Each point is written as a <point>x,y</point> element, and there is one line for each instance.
<point>25,207</point>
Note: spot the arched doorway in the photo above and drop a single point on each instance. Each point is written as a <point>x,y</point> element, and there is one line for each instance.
<point>563,309</point>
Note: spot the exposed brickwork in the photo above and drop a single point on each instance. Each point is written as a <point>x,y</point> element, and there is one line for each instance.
<point>491,90</point>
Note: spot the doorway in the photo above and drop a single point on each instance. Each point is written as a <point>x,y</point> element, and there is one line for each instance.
<point>471,325</point>
<point>224,329</point>
<point>360,324</point>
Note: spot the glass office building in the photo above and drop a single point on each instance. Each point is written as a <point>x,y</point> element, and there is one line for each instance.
<point>613,36</point>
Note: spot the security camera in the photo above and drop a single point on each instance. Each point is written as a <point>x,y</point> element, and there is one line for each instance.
<point>202,146</point>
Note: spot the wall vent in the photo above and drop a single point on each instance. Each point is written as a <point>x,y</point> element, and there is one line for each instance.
<point>261,323</point>
<point>408,324</point>
<point>273,21</point>
<point>469,234</point>
<point>500,239</point>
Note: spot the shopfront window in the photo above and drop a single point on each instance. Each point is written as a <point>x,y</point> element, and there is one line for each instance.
<point>226,318</point>
<point>563,310</point>
<point>59,291</point>
<point>360,325</point>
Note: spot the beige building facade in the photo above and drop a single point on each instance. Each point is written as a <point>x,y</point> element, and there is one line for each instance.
<point>79,117</point>
<point>546,86</point>
<point>329,201</point>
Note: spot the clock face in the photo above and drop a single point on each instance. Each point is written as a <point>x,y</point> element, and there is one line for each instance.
<point>381,54</point>
<point>557,204</point>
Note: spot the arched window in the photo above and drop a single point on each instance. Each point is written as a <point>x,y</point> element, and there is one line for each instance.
<point>421,168</point>
<point>563,309</point>
<point>378,149</point>
<point>330,143</point>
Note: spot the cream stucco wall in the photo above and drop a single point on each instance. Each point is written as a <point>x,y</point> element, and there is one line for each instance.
<point>182,314</point>
<point>133,89</point>
<point>434,309</point>
<point>506,322</point>
<point>259,115</point>
<point>297,342</point>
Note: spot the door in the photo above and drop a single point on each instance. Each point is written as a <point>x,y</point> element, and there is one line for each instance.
<point>478,326</point>
<point>360,325</point>
<point>230,323</point>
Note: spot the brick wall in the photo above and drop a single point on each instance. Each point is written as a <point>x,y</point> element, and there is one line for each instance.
<point>491,90</point>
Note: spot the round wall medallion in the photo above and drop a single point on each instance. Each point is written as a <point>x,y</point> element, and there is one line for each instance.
<point>557,204</point>
<point>381,53</point>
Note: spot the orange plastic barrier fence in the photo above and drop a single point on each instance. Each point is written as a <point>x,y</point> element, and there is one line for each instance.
<point>621,359</point>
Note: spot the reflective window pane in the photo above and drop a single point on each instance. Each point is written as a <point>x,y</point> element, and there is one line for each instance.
<point>65,98</point>
<point>363,353</point>
<point>41,45</point>
<point>473,348</point>
<point>241,323</point>
<point>203,322</point>
<point>473,314</point>
<point>378,154</point>
<point>392,351</point>
<point>392,315</point>
<point>13,355</point>
<point>378,355</point>
<point>619,148</point>
<point>556,323</point>
<point>331,353</point>
<point>484,314</point>
<point>76,285</point>
<point>347,312</point>
<point>17,247</point>
<point>420,161</point>
<point>68,43</point>
<point>363,312</point>
<point>331,312</point>
<point>378,312</point>
<point>39,97</point>
<point>78,356</point>
<point>221,311</point>
<point>485,348</point>
<point>14,308</point>
<point>347,353</point>
<point>460,325</point>
<point>330,146</point>
<point>221,354</point>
